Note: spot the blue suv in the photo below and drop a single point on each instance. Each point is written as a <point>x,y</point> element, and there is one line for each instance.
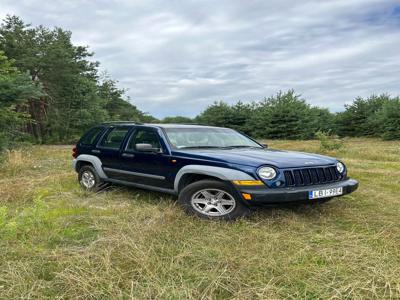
<point>216,173</point>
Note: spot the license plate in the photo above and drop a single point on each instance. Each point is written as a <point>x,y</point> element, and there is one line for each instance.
<point>325,193</point>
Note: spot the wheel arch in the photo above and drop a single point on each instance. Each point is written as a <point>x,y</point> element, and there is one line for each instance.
<point>86,159</point>
<point>193,173</point>
<point>81,163</point>
<point>189,178</point>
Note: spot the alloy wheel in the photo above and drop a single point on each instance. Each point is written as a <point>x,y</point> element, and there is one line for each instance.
<point>213,202</point>
<point>88,179</point>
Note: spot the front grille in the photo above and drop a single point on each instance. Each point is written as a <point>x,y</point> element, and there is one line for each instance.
<point>310,176</point>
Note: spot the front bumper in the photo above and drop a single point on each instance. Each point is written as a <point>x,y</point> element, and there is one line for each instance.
<point>293,194</point>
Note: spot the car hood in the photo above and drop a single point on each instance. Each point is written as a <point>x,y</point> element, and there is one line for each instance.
<point>259,157</point>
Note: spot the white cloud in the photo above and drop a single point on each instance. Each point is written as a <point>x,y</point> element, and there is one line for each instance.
<point>177,57</point>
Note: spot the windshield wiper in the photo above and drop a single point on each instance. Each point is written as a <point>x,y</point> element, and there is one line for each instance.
<point>200,147</point>
<point>218,147</point>
<point>240,146</point>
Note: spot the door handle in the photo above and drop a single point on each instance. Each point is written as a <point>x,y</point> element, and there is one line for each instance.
<point>95,151</point>
<point>128,155</point>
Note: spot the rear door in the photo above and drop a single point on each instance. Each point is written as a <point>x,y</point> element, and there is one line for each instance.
<point>149,168</point>
<point>89,139</point>
<point>109,147</point>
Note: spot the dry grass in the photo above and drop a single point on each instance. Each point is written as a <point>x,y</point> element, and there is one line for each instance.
<point>57,241</point>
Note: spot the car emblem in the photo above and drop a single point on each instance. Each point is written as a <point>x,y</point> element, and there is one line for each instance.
<point>308,163</point>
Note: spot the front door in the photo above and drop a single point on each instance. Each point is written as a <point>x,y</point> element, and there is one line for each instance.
<point>143,167</point>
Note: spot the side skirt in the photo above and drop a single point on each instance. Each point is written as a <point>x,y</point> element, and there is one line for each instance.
<point>142,186</point>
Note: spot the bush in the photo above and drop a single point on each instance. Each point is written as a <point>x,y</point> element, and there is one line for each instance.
<point>388,120</point>
<point>329,142</point>
<point>283,116</point>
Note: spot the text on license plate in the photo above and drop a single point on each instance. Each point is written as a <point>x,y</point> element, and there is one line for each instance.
<point>325,193</point>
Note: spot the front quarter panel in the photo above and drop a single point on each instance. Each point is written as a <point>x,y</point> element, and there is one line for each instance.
<point>226,174</point>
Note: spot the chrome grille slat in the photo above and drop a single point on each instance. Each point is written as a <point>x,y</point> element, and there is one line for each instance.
<point>311,176</point>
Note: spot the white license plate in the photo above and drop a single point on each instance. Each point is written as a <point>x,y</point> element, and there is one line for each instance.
<point>325,193</point>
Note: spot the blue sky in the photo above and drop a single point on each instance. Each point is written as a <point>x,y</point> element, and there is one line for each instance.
<point>177,57</point>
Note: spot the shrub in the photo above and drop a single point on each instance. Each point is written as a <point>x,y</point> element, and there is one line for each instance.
<point>329,142</point>
<point>388,120</point>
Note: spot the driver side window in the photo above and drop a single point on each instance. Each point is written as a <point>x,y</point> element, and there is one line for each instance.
<point>144,136</point>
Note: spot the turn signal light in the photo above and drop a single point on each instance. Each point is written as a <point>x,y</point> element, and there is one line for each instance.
<point>248,182</point>
<point>246,196</point>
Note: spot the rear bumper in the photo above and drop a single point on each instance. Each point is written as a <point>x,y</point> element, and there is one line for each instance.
<point>293,194</point>
<point>74,162</point>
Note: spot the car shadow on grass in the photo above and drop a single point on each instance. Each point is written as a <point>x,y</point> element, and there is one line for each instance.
<point>313,211</point>
<point>141,195</point>
<point>308,210</point>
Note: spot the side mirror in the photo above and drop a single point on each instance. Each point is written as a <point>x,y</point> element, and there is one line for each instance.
<point>146,148</point>
<point>265,145</point>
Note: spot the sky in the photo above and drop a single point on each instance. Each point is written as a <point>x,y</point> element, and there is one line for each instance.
<point>178,57</point>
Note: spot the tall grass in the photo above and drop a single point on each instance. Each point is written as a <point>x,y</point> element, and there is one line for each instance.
<point>57,241</point>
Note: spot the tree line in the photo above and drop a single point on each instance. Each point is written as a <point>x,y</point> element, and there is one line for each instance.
<point>287,116</point>
<point>51,91</point>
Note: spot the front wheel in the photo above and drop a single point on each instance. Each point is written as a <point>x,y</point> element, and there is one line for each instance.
<point>212,199</point>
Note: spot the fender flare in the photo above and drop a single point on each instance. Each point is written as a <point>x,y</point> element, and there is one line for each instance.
<point>94,160</point>
<point>226,174</point>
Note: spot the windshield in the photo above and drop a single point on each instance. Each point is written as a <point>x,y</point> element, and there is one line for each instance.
<point>182,138</point>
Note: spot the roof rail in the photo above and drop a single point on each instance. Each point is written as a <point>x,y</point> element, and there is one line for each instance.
<point>197,124</point>
<point>121,122</point>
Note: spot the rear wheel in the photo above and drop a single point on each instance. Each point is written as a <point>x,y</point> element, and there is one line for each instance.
<point>212,199</point>
<point>89,179</point>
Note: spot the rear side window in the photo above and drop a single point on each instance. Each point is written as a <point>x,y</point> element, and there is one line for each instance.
<point>114,138</point>
<point>90,137</point>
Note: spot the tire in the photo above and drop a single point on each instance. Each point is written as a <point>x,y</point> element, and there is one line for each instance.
<point>212,199</point>
<point>89,179</point>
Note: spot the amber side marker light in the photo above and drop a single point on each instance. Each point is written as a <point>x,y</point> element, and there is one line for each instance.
<point>248,182</point>
<point>246,196</point>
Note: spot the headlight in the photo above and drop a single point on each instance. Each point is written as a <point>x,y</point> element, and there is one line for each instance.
<point>267,173</point>
<point>340,167</point>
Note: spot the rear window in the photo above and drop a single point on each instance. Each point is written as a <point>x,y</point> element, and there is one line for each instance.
<point>114,138</point>
<point>90,137</point>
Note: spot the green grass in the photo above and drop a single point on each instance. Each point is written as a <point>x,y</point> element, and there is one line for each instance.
<point>57,241</point>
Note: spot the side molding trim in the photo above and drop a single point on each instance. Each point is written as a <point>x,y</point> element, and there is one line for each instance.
<point>94,160</point>
<point>221,173</point>
<point>135,173</point>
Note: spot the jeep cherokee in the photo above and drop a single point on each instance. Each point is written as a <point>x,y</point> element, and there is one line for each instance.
<point>216,172</point>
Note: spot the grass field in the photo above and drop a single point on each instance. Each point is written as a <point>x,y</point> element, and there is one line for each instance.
<point>57,241</point>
